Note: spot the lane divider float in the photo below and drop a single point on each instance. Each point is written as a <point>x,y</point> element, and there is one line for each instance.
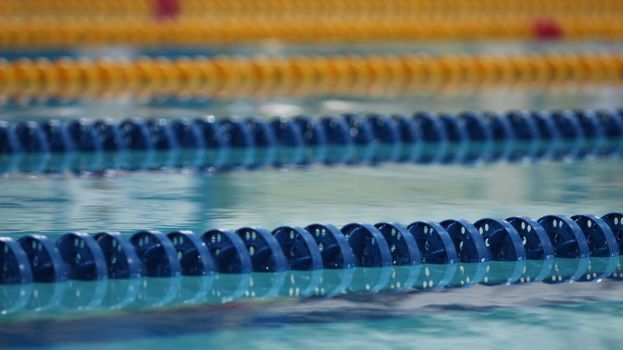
<point>147,253</point>
<point>207,143</point>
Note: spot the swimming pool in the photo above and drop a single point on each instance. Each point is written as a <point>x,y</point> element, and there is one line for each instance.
<point>179,167</point>
<point>187,312</point>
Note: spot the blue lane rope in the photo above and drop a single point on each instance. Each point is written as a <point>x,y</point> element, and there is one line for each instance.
<point>80,256</point>
<point>229,143</point>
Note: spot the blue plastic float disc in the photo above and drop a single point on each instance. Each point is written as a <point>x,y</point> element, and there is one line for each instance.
<point>193,254</point>
<point>602,244</point>
<point>289,139</point>
<point>9,142</point>
<point>339,140</point>
<point>45,260</point>
<point>83,135</point>
<point>109,135</point>
<point>314,139</point>
<point>210,133</point>
<point>592,130</point>
<point>468,242</point>
<point>457,139</point>
<point>526,135</point>
<point>534,238</point>
<point>334,248</point>
<point>229,251</point>
<point>264,250</point>
<point>216,146</point>
<point>312,131</point>
<point>471,250</point>
<point>549,135</point>
<point>299,247</point>
<point>31,137</point>
<point>402,245</point>
<point>508,254</point>
<point>434,137</point>
<point>599,236</point>
<point>263,140</point>
<point>239,139</point>
<point>502,239</point>
<point>164,142</point>
<point>156,254</point>
<point>287,133</point>
<point>360,129</point>
<point>14,265</point>
<point>83,256</point>
<point>539,249</point>
<point>135,134</point>
<point>618,116</point>
<point>369,246</point>
<point>566,236</point>
<point>161,134</point>
<point>121,259</point>
<point>410,138</point>
<point>187,134</point>
<point>387,135</point>
<point>503,136</point>
<point>262,134</point>
<point>612,127</point>
<point>571,134</point>
<point>57,136</point>
<point>571,249</point>
<point>434,242</point>
<point>615,222</point>
<point>480,137</point>
<point>363,137</point>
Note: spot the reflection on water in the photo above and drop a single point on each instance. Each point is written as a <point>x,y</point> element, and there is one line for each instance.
<point>86,298</point>
<point>173,307</point>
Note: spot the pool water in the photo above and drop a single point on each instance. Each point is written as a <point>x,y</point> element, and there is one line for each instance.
<point>168,314</point>
<point>298,310</point>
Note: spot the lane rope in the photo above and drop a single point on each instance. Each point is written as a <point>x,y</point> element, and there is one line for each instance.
<point>530,245</point>
<point>210,144</point>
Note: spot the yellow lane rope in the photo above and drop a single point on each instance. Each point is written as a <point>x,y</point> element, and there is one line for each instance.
<point>192,31</point>
<point>301,75</point>
<point>148,8</point>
